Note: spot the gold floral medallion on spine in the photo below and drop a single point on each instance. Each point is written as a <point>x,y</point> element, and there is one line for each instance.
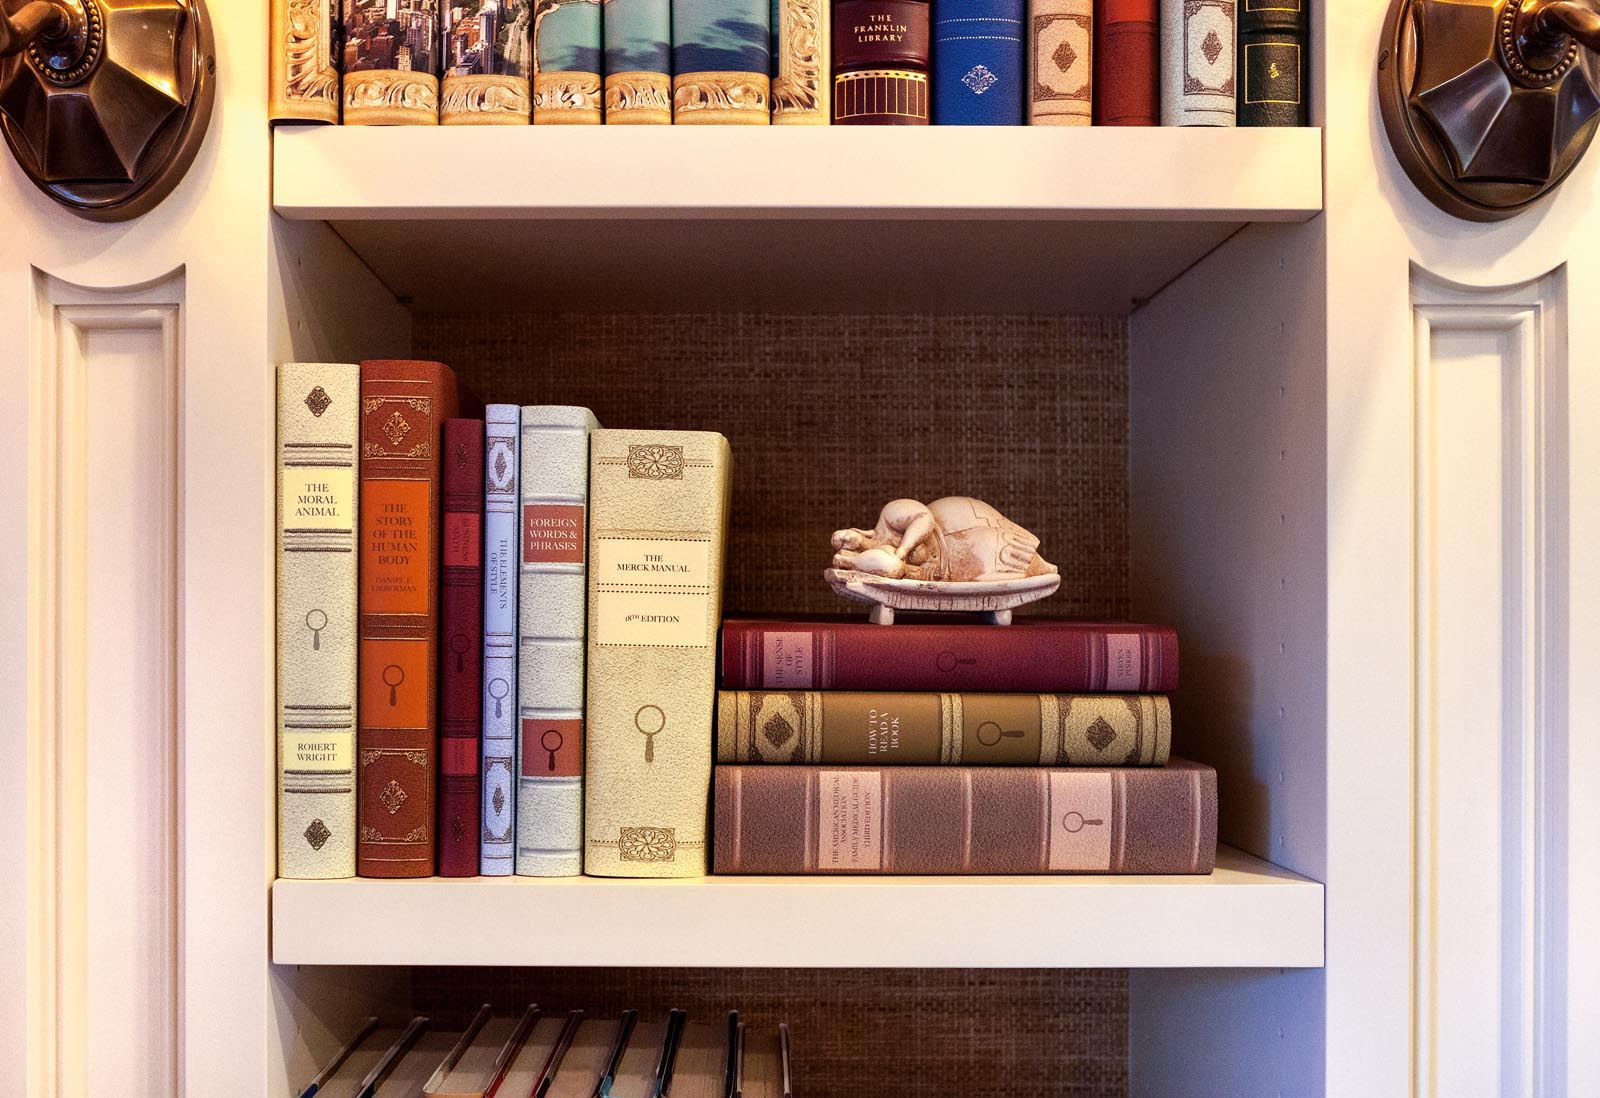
<point>305,75</point>
<point>800,89</point>
<point>567,99</point>
<point>638,99</point>
<point>722,99</point>
<point>386,97</point>
<point>485,101</point>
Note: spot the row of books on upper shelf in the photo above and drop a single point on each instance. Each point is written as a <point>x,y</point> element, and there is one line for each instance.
<point>498,652</point>
<point>562,1055</point>
<point>808,62</point>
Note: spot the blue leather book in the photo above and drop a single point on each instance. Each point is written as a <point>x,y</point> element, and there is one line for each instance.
<point>980,68</point>
<point>502,456</point>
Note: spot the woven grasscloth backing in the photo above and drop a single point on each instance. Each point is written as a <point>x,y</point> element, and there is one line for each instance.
<point>933,1033</point>
<point>830,417</point>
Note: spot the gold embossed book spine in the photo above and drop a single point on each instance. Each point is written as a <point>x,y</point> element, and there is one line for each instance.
<point>317,514</point>
<point>304,66</point>
<point>567,63</point>
<point>638,36</point>
<point>801,49</point>
<point>1061,42</point>
<point>1199,41</point>
<point>391,62</point>
<point>488,64</point>
<point>880,63</point>
<point>657,536</point>
<point>721,62</point>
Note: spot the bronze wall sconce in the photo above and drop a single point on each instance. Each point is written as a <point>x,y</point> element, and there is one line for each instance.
<point>1489,103</point>
<point>104,103</point>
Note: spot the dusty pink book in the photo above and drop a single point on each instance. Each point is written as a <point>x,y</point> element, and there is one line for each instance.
<point>953,820</point>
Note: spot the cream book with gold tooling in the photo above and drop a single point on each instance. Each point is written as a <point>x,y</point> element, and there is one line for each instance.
<point>657,533</point>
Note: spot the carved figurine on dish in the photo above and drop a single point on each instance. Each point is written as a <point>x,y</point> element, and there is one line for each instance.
<point>954,554</point>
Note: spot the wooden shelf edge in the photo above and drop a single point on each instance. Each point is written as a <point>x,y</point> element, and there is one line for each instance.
<point>844,173</point>
<point>1249,913</point>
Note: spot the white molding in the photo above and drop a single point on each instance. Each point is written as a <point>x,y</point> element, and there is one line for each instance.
<point>1490,621</point>
<point>69,913</point>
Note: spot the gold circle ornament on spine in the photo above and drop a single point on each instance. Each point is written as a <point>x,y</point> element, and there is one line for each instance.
<point>105,103</point>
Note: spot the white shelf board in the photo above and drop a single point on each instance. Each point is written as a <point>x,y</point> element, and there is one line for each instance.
<point>798,219</point>
<point>1248,913</point>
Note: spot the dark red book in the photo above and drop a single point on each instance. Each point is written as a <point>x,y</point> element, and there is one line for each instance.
<point>1030,656</point>
<point>1126,54</point>
<point>461,648</point>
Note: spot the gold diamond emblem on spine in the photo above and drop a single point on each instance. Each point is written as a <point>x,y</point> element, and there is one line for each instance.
<point>393,796</point>
<point>317,834</point>
<point>396,428</point>
<point>318,400</point>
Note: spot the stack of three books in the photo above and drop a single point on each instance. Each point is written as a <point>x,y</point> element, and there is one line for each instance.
<point>950,748</point>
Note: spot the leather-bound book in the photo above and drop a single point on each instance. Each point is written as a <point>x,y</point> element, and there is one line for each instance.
<point>980,65</point>
<point>550,639</point>
<point>880,63</point>
<point>1029,656</point>
<point>943,820</point>
<point>638,36</point>
<point>461,660</point>
<point>1199,41</point>
<point>567,63</point>
<point>1061,43</point>
<point>919,729</point>
<point>800,70</point>
<point>721,61</point>
<point>1273,49</point>
<point>305,66</point>
<point>488,64</point>
<point>318,404</point>
<point>657,535</point>
<point>1127,60</point>
<point>502,456</point>
<point>391,62</point>
<point>403,408</point>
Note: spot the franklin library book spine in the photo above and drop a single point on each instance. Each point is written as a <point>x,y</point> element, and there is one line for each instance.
<point>403,409</point>
<point>959,819</point>
<point>488,65</point>
<point>657,535</point>
<point>1127,51</point>
<point>391,63</point>
<point>1199,41</point>
<point>1061,45</point>
<point>721,62</point>
<point>800,67</point>
<point>880,63</point>
<point>1030,656</point>
<point>550,639</point>
<point>461,662</point>
<point>1272,58</point>
<point>638,35</point>
<point>567,63</point>
<point>317,466</point>
<point>305,63</point>
<point>979,67</point>
<point>502,425</point>
<point>913,729</point>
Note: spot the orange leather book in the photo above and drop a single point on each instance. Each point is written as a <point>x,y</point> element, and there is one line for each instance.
<point>403,409</point>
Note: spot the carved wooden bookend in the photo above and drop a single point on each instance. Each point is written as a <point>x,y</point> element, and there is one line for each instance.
<point>954,554</point>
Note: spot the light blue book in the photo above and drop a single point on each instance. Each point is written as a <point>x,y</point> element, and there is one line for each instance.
<point>721,57</point>
<point>502,460</point>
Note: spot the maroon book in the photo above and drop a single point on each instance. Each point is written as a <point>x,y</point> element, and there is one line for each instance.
<point>1126,55</point>
<point>461,648</point>
<point>1030,656</point>
<point>965,819</point>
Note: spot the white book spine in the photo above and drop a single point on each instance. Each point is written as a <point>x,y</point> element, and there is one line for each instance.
<point>502,444</point>
<point>550,639</point>
<point>1199,44</point>
<point>317,515</point>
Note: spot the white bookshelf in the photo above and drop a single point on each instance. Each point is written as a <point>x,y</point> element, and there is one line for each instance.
<point>859,219</point>
<point>1248,913</point>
